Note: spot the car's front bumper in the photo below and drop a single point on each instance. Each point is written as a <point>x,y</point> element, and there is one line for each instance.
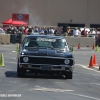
<point>44,67</point>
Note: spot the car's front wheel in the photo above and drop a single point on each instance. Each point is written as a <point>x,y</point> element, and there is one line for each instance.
<point>20,72</point>
<point>68,75</point>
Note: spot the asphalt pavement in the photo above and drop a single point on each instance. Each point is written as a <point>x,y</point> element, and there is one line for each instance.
<point>85,84</point>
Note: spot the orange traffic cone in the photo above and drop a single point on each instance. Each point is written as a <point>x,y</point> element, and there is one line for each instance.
<point>95,60</point>
<point>91,65</point>
<point>93,47</point>
<point>79,46</point>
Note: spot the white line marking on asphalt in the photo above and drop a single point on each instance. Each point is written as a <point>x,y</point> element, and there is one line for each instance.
<point>13,51</point>
<point>7,45</point>
<point>6,68</point>
<point>23,85</point>
<point>50,89</point>
<point>95,67</point>
<point>13,62</point>
<point>87,73</point>
<point>37,86</point>
<point>13,81</point>
<point>81,57</point>
<point>12,90</point>
<point>86,53</point>
<point>86,67</point>
<point>89,83</point>
<point>76,53</point>
<point>85,96</point>
<point>65,91</point>
<point>10,57</point>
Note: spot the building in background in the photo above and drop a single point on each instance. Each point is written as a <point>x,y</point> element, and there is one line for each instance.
<point>75,13</point>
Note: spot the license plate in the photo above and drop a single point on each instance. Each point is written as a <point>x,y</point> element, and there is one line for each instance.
<point>46,67</point>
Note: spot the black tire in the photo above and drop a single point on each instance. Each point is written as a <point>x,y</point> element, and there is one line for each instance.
<point>69,75</point>
<point>20,72</point>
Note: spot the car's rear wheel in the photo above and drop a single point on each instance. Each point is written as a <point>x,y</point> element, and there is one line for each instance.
<point>20,72</point>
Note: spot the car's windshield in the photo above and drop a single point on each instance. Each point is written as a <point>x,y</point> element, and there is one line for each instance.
<point>44,43</point>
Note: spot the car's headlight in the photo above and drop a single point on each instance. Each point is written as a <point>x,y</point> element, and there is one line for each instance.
<point>25,59</point>
<point>22,53</point>
<point>66,61</point>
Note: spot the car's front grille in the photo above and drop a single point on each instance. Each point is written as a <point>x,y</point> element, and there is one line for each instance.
<point>54,61</point>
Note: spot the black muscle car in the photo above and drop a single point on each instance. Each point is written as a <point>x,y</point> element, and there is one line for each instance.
<point>43,54</point>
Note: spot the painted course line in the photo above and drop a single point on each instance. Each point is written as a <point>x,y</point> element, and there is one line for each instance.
<point>12,90</point>
<point>12,81</point>
<point>13,62</point>
<point>64,91</point>
<point>10,57</point>
<point>50,89</point>
<point>84,96</point>
<point>13,51</point>
<point>23,85</point>
<point>87,73</point>
<point>86,67</point>
<point>88,83</point>
<point>6,69</point>
<point>87,52</point>
<point>82,57</point>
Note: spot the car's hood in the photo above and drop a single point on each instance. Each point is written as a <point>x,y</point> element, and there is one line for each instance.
<point>47,52</point>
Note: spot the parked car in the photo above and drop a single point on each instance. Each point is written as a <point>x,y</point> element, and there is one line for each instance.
<point>45,54</point>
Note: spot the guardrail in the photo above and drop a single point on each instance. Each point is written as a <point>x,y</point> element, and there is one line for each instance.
<point>84,41</point>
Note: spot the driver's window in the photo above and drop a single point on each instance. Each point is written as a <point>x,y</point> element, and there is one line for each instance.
<point>26,42</point>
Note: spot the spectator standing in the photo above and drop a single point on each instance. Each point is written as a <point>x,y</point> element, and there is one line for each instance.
<point>69,31</point>
<point>76,32</point>
<point>12,27</point>
<point>42,31</point>
<point>1,30</point>
<point>36,29</point>
<point>14,34</point>
<point>84,33</point>
<point>57,32</point>
<point>98,40</point>
<point>36,32</point>
<point>9,30</point>
<point>30,31</point>
<point>26,31</point>
<point>21,29</point>
<point>93,32</point>
<point>14,30</point>
<point>45,31</point>
<point>52,31</point>
<point>19,36</point>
